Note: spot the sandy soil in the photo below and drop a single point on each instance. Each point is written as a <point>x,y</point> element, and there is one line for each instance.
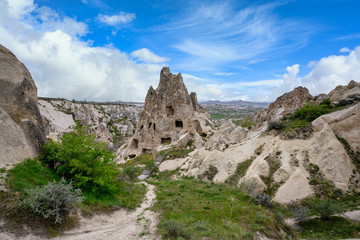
<point>121,224</point>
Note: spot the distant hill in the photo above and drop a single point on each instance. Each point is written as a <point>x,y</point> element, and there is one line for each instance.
<point>239,103</point>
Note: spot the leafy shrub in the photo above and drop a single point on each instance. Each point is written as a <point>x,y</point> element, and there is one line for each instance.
<point>264,200</point>
<point>300,213</point>
<point>273,125</point>
<point>326,208</point>
<point>310,112</point>
<point>174,230</point>
<point>77,156</point>
<point>249,187</point>
<point>53,201</point>
<point>132,172</point>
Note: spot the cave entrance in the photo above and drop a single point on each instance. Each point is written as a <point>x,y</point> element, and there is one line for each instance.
<point>135,143</point>
<point>179,124</point>
<point>165,140</point>
<point>169,111</point>
<point>145,150</point>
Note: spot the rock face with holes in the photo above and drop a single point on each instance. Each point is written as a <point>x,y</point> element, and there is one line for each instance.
<point>288,103</point>
<point>170,117</point>
<point>18,100</point>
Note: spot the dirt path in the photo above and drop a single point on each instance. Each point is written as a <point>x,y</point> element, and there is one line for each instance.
<point>121,224</point>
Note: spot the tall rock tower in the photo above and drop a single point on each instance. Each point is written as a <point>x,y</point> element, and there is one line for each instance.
<point>170,116</point>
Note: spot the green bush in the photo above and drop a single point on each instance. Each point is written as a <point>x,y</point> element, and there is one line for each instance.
<point>326,208</point>
<point>77,156</point>
<point>310,112</point>
<point>275,125</point>
<point>132,172</point>
<point>53,201</point>
<point>174,230</point>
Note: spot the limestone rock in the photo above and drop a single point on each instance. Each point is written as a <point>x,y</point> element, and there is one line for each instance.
<point>14,146</point>
<point>18,97</point>
<point>259,117</point>
<point>227,134</point>
<point>288,103</point>
<point>345,123</point>
<point>349,93</point>
<point>296,187</point>
<point>169,113</point>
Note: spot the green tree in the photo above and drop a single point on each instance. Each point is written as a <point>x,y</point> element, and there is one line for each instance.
<point>77,156</point>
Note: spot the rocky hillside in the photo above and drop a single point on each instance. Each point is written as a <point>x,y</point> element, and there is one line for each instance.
<point>111,122</point>
<point>295,155</point>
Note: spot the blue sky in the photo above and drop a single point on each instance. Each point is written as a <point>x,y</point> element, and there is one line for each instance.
<point>226,50</point>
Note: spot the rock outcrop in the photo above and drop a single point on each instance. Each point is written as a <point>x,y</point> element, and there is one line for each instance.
<point>170,114</point>
<point>18,98</point>
<point>112,123</point>
<point>348,94</point>
<point>344,123</point>
<point>288,103</point>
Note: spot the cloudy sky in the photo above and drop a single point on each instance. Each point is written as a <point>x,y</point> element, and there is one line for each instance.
<point>226,50</point>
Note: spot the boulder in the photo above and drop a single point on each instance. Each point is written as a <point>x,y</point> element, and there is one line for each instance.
<point>18,97</point>
<point>14,146</point>
<point>169,114</point>
<point>288,103</point>
<point>345,123</point>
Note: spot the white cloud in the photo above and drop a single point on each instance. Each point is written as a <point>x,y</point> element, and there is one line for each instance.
<point>117,20</point>
<point>63,65</point>
<point>18,8</point>
<point>145,55</point>
<point>224,73</point>
<point>311,64</point>
<point>325,75</point>
<point>344,50</point>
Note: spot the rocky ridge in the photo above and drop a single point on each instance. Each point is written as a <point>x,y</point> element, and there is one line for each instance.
<point>112,123</point>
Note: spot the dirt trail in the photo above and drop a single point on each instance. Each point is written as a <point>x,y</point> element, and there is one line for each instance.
<point>121,224</point>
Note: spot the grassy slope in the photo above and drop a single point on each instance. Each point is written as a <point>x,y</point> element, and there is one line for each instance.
<point>200,209</point>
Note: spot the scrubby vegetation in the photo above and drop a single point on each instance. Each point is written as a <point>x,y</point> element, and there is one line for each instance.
<point>54,200</point>
<point>195,209</point>
<point>298,124</point>
<point>37,191</point>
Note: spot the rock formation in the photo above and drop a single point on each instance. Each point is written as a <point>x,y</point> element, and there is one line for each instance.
<point>18,98</point>
<point>170,116</point>
<point>288,103</point>
<point>111,122</point>
<point>349,93</point>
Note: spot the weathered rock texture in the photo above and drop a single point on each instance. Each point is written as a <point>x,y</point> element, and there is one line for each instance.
<point>349,93</point>
<point>345,123</point>
<point>170,116</point>
<point>288,103</point>
<point>112,123</point>
<point>18,98</point>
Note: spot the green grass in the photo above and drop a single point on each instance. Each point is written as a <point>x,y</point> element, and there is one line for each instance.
<point>240,172</point>
<point>29,174</point>
<point>194,209</point>
<point>173,153</point>
<point>334,228</point>
<point>218,116</point>
<point>139,160</point>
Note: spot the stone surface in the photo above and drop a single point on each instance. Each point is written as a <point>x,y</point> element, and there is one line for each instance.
<point>351,92</point>
<point>288,103</point>
<point>18,97</point>
<point>345,123</point>
<point>227,135</point>
<point>169,113</point>
<point>112,123</point>
<point>14,146</point>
